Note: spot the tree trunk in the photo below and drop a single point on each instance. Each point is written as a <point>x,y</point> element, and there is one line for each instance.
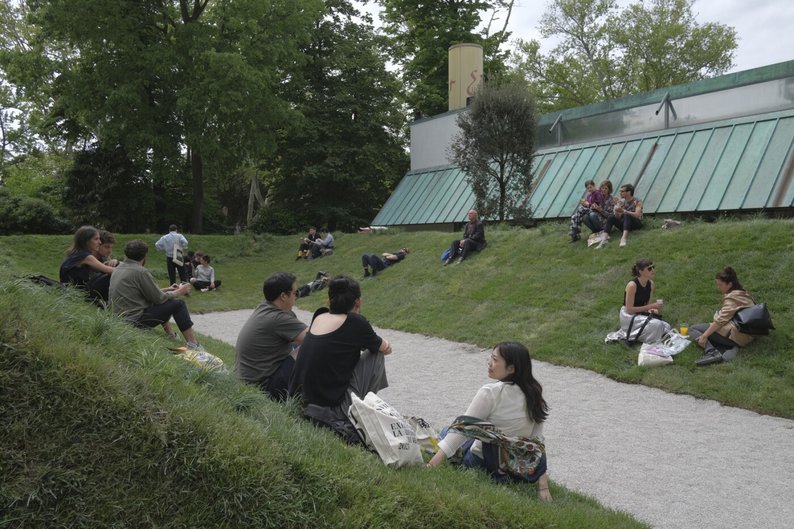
<point>197,169</point>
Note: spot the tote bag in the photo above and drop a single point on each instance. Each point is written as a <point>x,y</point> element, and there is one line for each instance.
<point>179,256</point>
<point>384,430</point>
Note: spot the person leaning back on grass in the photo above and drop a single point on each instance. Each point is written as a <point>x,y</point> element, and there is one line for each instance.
<point>135,296</point>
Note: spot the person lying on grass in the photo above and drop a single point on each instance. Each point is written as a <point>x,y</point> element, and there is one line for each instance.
<point>514,407</point>
<point>373,264</point>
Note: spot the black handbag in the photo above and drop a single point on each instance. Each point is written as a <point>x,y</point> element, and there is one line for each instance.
<point>754,320</point>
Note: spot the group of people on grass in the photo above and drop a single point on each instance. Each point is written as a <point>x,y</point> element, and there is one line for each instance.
<point>339,353</point>
<point>128,287</point>
<point>640,315</point>
<point>601,212</point>
<point>315,245</point>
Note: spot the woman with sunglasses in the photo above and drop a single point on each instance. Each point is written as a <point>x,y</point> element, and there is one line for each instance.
<point>639,315</point>
<point>721,339</point>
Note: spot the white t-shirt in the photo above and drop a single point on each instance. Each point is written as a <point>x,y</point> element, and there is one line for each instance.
<point>504,405</point>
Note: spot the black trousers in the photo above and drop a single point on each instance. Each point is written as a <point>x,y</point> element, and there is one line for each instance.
<point>159,314</point>
<point>172,270</point>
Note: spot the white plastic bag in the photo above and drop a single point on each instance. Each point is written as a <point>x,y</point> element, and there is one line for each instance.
<point>385,430</point>
<point>647,359</point>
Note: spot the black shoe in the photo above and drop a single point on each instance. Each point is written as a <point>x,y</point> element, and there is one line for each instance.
<point>320,275</point>
<point>709,357</point>
<point>575,238</point>
<point>374,272</point>
<point>366,273</point>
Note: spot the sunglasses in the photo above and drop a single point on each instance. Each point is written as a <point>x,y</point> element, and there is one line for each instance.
<point>652,267</point>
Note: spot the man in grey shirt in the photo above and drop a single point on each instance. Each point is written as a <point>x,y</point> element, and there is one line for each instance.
<point>265,355</point>
<point>135,296</point>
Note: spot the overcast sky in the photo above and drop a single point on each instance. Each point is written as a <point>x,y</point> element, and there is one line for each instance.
<point>763,27</point>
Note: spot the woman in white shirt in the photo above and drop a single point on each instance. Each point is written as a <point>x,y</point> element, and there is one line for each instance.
<point>514,404</point>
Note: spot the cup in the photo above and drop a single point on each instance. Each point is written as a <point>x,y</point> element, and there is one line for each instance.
<point>684,329</point>
<point>660,301</point>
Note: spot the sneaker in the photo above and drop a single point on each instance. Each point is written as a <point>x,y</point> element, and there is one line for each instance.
<point>321,274</point>
<point>449,261</point>
<point>602,244</point>
<point>711,357</point>
<point>622,243</point>
<point>195,347</point>
<point>575,238</point>
<point>366,273</point>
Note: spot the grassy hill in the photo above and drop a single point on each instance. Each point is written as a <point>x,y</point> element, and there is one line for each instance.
<point>531,286</point>
<point>102,427</point>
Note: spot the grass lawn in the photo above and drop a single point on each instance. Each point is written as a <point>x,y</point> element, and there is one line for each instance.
<point>102,427</point>
<point>533,286</point>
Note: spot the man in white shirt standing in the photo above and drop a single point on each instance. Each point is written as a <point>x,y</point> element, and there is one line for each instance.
<point>166,244</point>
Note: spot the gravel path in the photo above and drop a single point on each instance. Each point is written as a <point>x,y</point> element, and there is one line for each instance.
<point>673,461</point>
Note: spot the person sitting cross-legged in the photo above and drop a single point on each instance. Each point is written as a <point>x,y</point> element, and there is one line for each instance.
<point>135,296</point>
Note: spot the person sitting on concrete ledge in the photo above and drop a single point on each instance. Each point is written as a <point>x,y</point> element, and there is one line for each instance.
<point>373,264</point>
<point>473,239</point>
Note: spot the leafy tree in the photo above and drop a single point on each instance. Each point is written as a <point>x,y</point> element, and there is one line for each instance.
<point>185,86</point>
<point>339,162</point>
<point>421,33</point>
<point>605,52</point>
<point>23,214</point>
<point>105,188</point>
<point>494,149</point>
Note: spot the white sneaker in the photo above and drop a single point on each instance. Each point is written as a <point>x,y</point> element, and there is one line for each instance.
<point>622,243</point>
<point>602,244</point>
<point>195,347</point>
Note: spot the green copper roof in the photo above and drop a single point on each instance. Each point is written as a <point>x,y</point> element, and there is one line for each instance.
<point>736,164</point>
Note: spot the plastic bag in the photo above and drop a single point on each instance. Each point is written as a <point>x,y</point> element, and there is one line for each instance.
<point>385,430</point>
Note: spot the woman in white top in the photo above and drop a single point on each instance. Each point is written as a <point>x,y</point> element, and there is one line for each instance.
<point>514,404</point>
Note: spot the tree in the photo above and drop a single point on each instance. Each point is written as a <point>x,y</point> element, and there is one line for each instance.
<point>605,52</point>
<point>421,33</point>
<point>184,86</point>
<point>494,149</point>
<point>339,162</point>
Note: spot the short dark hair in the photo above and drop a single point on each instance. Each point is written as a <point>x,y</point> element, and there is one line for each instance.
<point>136,249</point>
<point>276,284</point>
<point>589,183</point>
<point>628,188</point>
<point>172,227</point>
<point>343,291</point>
<point>106,237</point>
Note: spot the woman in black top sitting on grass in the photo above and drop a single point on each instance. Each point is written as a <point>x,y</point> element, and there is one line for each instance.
<point>81,259</point>
<point>639,316</point>
<point>331,364</point>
